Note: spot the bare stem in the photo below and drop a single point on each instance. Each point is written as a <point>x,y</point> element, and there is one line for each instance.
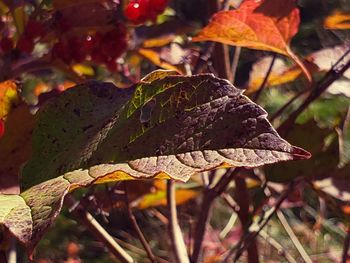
<point>243,201</point>
<point>220,55</point>
<point>293,237</point>
<point>263,84</point>
<point>280,249</point>
<point>345,256</point>
<point>3,258</point>
<point>331,76</point>
<point>235,61</point>
<point>255,228</point>
<point>137,228</point>
<point>98,231</point>
<point>175,233</point>
<point>209,195</point>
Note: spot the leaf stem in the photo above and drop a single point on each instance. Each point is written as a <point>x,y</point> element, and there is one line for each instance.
<point>98,231</point>
<point>175,233</point>
<point>263,84</point>
<point>137,228</point>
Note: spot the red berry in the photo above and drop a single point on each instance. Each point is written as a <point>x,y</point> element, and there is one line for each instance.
<point>2,128</point>
<point>34,29</point>
<point>25,44</point>
<point>133,11</point>
<point>6,44</point>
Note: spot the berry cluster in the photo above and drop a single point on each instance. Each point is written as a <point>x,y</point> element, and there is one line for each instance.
<point>33,30</point>
<point>101,48</point>
<point>25,43</point>
<point>139,11</point>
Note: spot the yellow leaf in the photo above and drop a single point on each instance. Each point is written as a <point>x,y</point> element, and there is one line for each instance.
<point>8,97</point>
<point>338,20</point>
<point>154,57</point>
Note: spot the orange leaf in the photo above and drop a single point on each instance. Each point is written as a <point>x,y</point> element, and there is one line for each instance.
<point>154,57</point>
<point>264,25</point>
<point>8,97</point>
<point>338,20</point>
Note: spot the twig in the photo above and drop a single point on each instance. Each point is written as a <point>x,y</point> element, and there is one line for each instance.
<point>3,258</point>
<point>263,84</point>
<point>285,106</point>
<point>209,195</point>
<point>98,231</point>
<point>137,228</point>
<point>220,55</point>
<point>177,240</point>
<point>243,200</point>
<point>235,61</point>
<point>331,76</point>
<point>255,228</point>
<point>203,58</point>
<point>293,237</point>
<point>280,249</point>
<point>345,255</point>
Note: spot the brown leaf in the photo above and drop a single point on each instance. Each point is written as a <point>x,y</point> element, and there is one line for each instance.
<point>264,25</point>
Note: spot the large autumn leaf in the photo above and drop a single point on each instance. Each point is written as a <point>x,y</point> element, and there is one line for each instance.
<point>168,126</point>
<point>264,25</point>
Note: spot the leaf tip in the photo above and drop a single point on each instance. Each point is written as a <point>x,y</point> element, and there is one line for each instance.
<point>301,154</point>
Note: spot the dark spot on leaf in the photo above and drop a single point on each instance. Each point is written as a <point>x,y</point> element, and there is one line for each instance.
<point>146,112</point>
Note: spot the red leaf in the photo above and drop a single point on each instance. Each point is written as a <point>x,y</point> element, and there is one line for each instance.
<point>264,25</point>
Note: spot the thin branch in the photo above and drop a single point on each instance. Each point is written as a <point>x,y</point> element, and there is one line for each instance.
<point>3,258</point>
<point>280,249</point>
<point>220,55</point>
<point>235,61</point>
<point>293,237</point>
<point>332,75</point>
<point>285,106</point>
<point>243,200</point>
<point>203,218</point>
<point>175,233</point>
<point>256,227</point>
<point>263,84</point>
<point>345,255</point>
<point>203,58</point>
<point>137,228</point>
<point>209,195</point>
<point>98,231</point>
